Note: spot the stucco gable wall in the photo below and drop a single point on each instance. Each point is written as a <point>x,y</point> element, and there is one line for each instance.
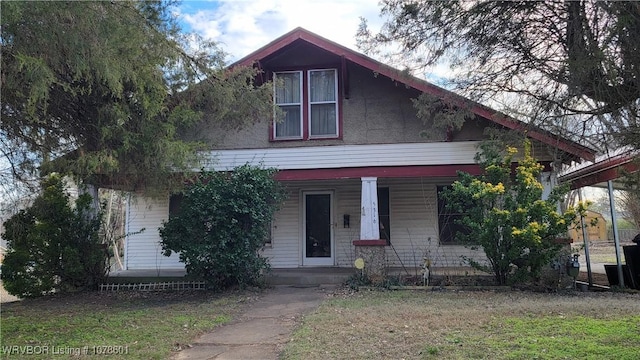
<point>380,111</point>
<point>377,111</point>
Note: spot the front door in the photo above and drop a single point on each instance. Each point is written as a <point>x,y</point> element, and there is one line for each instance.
<point>317,237</point>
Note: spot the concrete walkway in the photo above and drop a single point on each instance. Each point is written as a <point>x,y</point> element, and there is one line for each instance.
<point>263,330</point>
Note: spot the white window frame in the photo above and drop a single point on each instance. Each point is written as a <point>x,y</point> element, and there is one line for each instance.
<point>334,102</point>
<point>301,104</point>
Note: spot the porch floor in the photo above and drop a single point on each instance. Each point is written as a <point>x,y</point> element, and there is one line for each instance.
<point>303,276</point>
<point>290,276</point>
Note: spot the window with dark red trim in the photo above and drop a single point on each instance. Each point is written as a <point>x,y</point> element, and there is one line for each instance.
<point>449,221</point>
<point>308,104</point>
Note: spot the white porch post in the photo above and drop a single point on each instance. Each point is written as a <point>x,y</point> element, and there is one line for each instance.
<point>369,222</point>
<point>549,180</point>
<point>370,247</point>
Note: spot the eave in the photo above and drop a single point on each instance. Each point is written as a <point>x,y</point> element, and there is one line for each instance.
<point>545,137</point>
<point>601,171</point>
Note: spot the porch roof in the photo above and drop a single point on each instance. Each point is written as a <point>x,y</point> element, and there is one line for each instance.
<point>604,168</point>
<point>432,159</point>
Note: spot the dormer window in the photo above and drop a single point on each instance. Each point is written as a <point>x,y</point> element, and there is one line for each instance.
<point>308,101</point>
<point>289,99</point>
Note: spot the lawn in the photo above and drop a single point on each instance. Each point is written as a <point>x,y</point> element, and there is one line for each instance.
<point>471,325</point>
<point>124,325</point>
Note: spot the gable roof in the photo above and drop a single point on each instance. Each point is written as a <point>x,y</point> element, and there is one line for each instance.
<point>497,117</point>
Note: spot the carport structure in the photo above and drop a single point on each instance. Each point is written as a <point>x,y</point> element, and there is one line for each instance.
<point>604,172</point>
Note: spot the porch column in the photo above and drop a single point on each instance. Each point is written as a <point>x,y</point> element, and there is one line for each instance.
<point>370,247</point>
<point>369,222</point>
<point>549,180</point>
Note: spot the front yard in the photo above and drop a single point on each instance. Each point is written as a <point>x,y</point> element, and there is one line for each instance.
<point>124,325</point>
<point>362,325</point>
<point>471,325</point>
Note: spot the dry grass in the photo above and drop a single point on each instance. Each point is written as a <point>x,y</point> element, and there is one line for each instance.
<point>458,325</point>
<point>139,325</point>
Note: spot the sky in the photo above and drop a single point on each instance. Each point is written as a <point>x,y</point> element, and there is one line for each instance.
<point>243,26</point>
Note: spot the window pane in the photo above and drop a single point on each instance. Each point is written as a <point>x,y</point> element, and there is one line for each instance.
<point>323,119</point>
<point>290,124</point>
<point>448,221</point>
<point>449,228</point>
<point>288,88</point>
<point>175,203</point>
<point>383,214</point>
<point>322,85</point>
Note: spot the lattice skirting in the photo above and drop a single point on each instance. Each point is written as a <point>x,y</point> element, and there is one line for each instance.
<point>156,286</point>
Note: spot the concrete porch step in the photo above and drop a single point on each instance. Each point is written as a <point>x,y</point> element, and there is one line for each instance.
<point>309,276</point>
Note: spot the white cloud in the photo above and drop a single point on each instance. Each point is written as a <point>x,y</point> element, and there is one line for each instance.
<point>241,27</point>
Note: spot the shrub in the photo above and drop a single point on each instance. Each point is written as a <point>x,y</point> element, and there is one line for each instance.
<point>506,216</point>
<point>53,246</point>
<point>223,222</point>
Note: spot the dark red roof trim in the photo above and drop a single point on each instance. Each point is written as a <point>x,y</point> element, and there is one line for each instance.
<point>599,172</point>
<point>381,172</point>
<point>564,144</point>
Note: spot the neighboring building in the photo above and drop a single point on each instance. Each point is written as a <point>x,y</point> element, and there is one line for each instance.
<point>351,154</point>
<point>607,169</point>
<point>596,228</point>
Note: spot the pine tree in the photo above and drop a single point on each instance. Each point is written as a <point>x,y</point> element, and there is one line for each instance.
<point>570,66</point>
<point>101,90</point>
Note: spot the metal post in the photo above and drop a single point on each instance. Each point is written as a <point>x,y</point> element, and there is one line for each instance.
<point>585,237</point>
<point>616,237</point>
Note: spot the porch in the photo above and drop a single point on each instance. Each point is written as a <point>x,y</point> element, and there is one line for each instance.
<point>303,276</point>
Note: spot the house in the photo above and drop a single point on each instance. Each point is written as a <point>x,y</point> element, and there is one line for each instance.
<point>361,179</point>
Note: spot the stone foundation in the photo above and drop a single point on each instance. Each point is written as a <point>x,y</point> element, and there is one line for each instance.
<point>374,262</point>
<point>554,275</point>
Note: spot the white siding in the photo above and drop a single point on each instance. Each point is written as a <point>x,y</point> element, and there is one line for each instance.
<point>284,251</point>
<point>347,202</point>
<point>414,224</point>
<point>286,248</point>
<point>413,215</point>
<point>341,156</point>
<point>143,250</point>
